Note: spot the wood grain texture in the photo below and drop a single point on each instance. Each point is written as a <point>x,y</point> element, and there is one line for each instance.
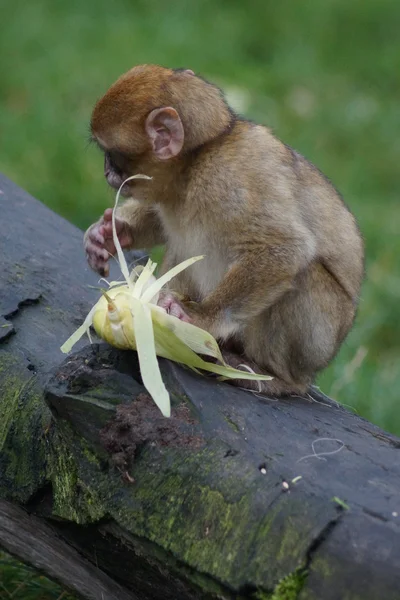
<point>35,543</point>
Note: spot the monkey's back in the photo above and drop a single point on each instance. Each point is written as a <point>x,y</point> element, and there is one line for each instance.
<point>255,186</point>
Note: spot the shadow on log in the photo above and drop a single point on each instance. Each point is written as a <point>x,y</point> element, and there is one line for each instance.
<point>227,499</point>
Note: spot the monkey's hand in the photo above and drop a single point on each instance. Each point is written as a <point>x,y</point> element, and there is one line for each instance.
<point>171,304</point>
<point>99,244</point>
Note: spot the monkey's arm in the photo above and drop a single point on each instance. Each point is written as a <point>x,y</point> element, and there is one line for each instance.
<point>137,226</point>
<point>253,283</point>
<point>144,224</point>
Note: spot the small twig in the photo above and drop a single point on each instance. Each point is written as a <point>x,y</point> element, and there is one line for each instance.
<point>321,403</point>
<point>320,455</point>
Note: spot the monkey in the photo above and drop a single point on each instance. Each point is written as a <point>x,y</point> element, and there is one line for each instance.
<point>284,258</point>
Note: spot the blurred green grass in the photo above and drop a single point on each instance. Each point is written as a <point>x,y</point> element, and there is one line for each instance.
<point>323,75</point>
<point>20,582</point>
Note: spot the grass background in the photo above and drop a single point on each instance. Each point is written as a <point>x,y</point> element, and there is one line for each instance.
<point>323,74</point>
<point>19,582</point>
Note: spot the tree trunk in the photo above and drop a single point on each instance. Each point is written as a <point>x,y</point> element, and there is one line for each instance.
<point>235,496</point>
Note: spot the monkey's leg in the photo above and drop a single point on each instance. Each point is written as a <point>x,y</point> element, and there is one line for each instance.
<point>300,334</point>
<point>275,387</point>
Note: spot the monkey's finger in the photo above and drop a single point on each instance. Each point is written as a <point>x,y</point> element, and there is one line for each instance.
<point>105,271</point>
<point>173,308</point>
<point>108,215</point>
<point>97,237</point>
<point>98,264</point>
<point>177,311</point>
<point>106,230</point>
<point>98,251</point>
<point>97,259</point>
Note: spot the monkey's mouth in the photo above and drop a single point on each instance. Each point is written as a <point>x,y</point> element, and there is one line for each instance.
<point>115,180</point>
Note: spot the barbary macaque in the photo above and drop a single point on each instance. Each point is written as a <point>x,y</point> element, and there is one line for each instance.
<point>283,265</point>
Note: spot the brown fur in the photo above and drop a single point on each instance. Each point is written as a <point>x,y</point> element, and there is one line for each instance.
<point>284,257</point>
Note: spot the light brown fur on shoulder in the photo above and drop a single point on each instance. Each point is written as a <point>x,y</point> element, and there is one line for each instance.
<point>284,258</point>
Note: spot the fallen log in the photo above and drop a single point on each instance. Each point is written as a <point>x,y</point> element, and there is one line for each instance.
<point>235,496</point>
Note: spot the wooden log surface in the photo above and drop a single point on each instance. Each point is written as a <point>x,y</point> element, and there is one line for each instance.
<point>35,542</point>
<point>230,498</point>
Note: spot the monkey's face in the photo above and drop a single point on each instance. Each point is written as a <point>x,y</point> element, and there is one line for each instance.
<point>123,150</point>
<point>156,138</point>
<point>151,115</point>
<point>163,140</point>
<point>117,168</point>
<point>132,132</point>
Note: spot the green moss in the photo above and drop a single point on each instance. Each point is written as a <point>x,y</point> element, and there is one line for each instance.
<point>10,388</point>
<point>232,423</point>
<point>64,477</point>
<point>74,500</point>
<point>290,540</point>
<point>322,566</point>
<point>89,455</point>
<point>32,453</point>
<point>288,588</point>
<point>198,524</point>
<point>25,419</point>
<point>213,528</point>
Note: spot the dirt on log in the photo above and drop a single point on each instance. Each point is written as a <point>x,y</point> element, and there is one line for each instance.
<point>234,497</point>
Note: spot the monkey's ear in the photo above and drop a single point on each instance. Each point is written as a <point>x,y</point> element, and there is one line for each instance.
<point>165,130</point>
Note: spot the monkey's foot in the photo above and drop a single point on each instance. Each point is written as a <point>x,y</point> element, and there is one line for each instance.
<point>274,388</point>
<point>168,302</point>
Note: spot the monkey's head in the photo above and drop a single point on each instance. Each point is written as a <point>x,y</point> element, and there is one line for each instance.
<point>154,115</point>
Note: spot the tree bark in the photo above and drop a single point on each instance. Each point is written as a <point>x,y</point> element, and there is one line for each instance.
<point>233,497</point>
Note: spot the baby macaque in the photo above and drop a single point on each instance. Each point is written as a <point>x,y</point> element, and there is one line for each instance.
<point>280,281</point>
